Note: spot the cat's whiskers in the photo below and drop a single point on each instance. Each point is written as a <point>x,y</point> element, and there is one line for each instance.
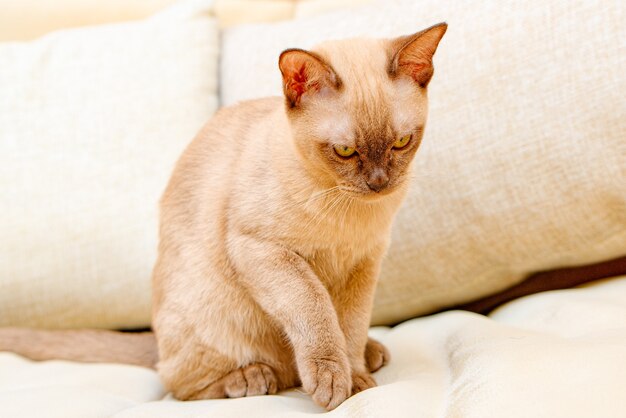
<point>318,195</point>
<point>313,198</point>
<point>318,213</point>
<point>346,212</point>
<point>326,210</point>
<point>335,203</point>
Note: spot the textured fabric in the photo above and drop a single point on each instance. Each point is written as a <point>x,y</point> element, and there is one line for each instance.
<point>523,164</point>
<point>553,355</point>
<point>236,12</point>
<point>91,123</point>
<point>28,19</point>
<point>314,7</point>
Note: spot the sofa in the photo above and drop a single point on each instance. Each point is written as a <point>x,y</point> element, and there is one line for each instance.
<point>522,170</point>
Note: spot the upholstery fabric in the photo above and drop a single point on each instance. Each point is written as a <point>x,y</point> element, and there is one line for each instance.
<point>237,12</point>
<point>554,354</point>
<point>523,164</point>
<point>28,19</point>
<point>91,123</point>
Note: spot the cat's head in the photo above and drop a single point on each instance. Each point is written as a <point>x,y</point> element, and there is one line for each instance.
<point>357,108</point>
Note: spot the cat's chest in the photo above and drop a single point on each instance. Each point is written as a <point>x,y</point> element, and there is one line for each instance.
<point>333,260</point>
<point>334,239</point>
<point>334,265</point>
<point>340,230</point>
<point>334,244</point>
<point>339,241</point>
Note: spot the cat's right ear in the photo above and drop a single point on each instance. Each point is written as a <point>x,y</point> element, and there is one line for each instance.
<point>305,73</point>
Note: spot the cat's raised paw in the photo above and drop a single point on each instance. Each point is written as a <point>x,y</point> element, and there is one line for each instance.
<point>376,355</point>
<point>328,382</point>
<point>361,382</point>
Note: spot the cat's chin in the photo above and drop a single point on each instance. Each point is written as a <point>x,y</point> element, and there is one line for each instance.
<point>369,196</point>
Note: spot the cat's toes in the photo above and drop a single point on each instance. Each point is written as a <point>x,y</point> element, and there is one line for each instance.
<point>376,355</point>
<point>361,382</point>
<point>251,380</point>
<point>328,381</point>
<point>260,380</point>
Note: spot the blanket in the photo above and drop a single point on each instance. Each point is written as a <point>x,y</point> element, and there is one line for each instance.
<point>553,354</point>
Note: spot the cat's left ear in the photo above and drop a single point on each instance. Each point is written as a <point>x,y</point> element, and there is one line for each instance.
<point>412,55</point>
<point>304,74</point>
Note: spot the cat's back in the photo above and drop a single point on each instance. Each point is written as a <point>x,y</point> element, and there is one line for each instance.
<point>244,114</point>
<point>234,127</point>
<point>209,162</point>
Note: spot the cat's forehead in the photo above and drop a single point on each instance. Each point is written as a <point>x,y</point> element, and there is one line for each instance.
<point>370,101</point>
<point>361,64</point>
<point>334,126</point>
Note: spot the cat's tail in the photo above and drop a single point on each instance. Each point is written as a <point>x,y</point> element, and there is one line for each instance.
<point>90,346</point>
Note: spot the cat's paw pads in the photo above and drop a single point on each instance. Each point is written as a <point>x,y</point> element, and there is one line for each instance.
<point>361,382</point>
<point>376,355</point>
<point>328,382</point>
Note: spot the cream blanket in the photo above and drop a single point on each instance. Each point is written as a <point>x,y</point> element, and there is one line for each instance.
<point>556,354</point>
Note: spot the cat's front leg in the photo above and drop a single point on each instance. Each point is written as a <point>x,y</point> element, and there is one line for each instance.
<point>286,287</point>
<point>354,305</point>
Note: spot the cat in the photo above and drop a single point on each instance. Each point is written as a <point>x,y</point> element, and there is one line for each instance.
<point>275,222</point>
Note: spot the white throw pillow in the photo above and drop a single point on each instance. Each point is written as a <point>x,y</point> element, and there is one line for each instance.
<point>91,123</point>
<point>523,165</point>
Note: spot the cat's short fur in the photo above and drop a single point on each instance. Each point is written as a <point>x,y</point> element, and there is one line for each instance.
<point>271,241</point>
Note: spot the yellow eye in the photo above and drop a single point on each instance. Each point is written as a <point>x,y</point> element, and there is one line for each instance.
<point>402,142</point>
<point>344,151</point>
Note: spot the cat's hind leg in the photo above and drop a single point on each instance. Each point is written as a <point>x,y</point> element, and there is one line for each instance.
<point>199,372</point>
<point>187,367</point>
<point>251,380</point>
<point>192,370</point>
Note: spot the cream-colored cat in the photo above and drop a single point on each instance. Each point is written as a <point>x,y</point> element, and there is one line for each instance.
<point>276,219</point>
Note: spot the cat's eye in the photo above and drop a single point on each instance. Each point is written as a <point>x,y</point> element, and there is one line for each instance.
<point>344,151</point>
<point>402,142</point>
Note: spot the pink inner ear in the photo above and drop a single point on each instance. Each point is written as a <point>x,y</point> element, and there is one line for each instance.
<point>299,83</point>
<point>412,69</point>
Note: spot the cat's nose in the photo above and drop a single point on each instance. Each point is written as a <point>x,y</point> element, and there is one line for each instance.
<point>378,180</point>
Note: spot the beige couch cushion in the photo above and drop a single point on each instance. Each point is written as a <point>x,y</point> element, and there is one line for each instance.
<point>236,12</point>
<point>91,123</point>
<point>28,19</point>
<point>523,166</point>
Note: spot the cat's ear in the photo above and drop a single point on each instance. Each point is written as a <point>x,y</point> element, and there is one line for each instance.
<point>412,55</point>
<point>305,73</point>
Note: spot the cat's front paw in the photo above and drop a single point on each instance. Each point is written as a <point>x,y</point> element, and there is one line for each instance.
<point>361,382</point>
<point>328,381</point>
<point>376,355</point>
